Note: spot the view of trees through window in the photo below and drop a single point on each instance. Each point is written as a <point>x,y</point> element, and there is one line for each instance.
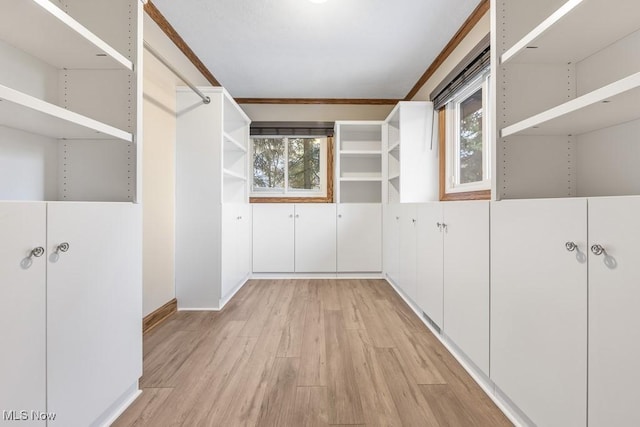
<point>290,161</point>
<point>471,139</point>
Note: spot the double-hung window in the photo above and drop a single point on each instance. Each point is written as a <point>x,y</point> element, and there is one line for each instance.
<point>468,139</point>
<point>289,166</point>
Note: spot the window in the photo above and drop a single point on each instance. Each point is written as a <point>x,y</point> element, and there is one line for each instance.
<point>292,166</point>
<point>467,164</point>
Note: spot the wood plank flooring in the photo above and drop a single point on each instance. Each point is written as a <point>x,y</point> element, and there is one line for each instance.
<point>305,353</point>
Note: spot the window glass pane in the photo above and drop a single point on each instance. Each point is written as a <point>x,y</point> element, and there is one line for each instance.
<point>268,164</point>
<point>304,164</point>
<point>471,139</point>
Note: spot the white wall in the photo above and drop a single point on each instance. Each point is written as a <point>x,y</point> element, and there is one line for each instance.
<point>482,28</point>
<point>158,167</point>
<point>314,112</point>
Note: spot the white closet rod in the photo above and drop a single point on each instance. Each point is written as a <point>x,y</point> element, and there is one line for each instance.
<point>205,98</point>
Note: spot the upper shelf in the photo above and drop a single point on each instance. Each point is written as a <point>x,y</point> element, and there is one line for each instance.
<point>45,31</point>
<point>24,112</point>
<point>576,30</point>
<point>608,106</point>
<point>360,153</point>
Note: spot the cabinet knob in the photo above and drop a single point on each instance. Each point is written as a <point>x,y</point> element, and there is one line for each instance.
<point>36,252</point>
<point>290,215</point>
<point>597,249</point>
<point>413,220</point>
<point>439,225</point>
<point>297,216</point>
<point>397,217</point>
<point>62,247</point>
<point>239,217</point>
<point>571,246</point>
<point>339,215</point>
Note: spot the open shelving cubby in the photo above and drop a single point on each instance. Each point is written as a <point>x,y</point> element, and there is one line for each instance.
<point>70,94</point>
<point>567,84</point>
<point>359,169</point>
<point>235,151</point>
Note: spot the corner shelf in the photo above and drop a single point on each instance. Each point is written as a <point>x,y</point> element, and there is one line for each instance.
<point>361,179</point>
<point>610,105</point>
<point>395,146</point>
<point>561,37</point>
<point>25,112</point>
<point>42,29</point>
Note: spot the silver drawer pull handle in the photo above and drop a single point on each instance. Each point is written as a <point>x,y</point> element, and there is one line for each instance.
<point>571,246</point>
<point>37,252</point>
<point>62,247</point>
<point>597,250</point>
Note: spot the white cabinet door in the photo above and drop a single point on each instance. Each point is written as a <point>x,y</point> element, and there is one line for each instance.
<point>466,278</point>
<point>614,297</point>
<point>22,310</point>
<point>429,262</point>
<point>94,308</point>
<point>315,238</point>
<point>359,237</point>
<point>539,308</point>
<point>391,241</point>
<point>273,238</point>
<point>408,240</point>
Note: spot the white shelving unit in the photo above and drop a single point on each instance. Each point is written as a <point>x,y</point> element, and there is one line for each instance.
<point>567,79</point>
<point>359,165</point>
<point>70,86</point>
<point>213,215</point>
<point>70,138</point>
<point>411,154</point>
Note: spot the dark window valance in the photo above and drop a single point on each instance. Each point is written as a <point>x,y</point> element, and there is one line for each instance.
<point>468,69</point>
<point>292,128</point>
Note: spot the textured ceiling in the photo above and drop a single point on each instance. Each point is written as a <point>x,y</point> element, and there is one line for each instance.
<point>298,49</point>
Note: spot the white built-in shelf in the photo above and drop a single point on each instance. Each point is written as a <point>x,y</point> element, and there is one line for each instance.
<point>45,31</point>
<point>361,153</point>
<point>25,112</point>
<point>576,30</point>
<point>361,179</point>
<point>616,103</point>
<point>230,144</point>
<point>394,146</point>
<point>233,175</point>
<point>394,177</point>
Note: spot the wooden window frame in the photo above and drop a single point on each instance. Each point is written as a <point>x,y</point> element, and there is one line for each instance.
<point>442,147</point>
<point>323,199</point>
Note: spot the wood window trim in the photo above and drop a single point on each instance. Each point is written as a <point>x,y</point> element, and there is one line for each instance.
<point>442,147</point>
<point>327,199</point>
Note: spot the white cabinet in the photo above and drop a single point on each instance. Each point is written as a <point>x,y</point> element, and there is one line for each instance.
<point>93,355</point>
<point>539,308</point>
<point>291,238</point>
<point>614,339</point>
<point>273,238</point>
<point>236,247</point>
<point>391,241</point>
<point>79,303</point>
<point>23,307</point>
<point>211,172</point>
<point>315,238</point>
<point>408,245</point>
<point>359,165</point>
<point>412,162</point>
<point>430,261</point>
<point>359,237</point>
<point>466,278</point>
<point>566,98</point>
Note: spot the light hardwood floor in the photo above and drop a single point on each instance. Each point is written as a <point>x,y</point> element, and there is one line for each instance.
<point>305,353</point>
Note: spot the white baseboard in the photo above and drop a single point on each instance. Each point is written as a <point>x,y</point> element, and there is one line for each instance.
<point>284,276</point>
<point>508,408</point>
<point>224,301</point>
<point>118,407</point>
